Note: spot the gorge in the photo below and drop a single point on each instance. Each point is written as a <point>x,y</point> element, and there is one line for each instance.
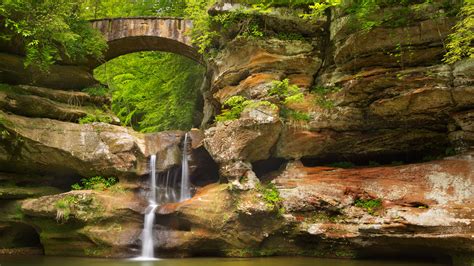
<point>311,137</point>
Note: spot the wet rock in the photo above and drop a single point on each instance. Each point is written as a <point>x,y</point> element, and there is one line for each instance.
<point>167,148</point>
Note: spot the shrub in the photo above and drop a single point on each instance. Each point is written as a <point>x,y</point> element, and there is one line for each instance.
<point>460,41</point>
<point>283,89</point>
<point>95,183</point>
<point>50,31</point>
<point>233,108</point>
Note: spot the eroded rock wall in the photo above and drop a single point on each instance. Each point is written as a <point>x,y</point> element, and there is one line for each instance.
<point>411,210</point>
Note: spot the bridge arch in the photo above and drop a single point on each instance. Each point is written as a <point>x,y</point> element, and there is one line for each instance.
<point>129,35</point>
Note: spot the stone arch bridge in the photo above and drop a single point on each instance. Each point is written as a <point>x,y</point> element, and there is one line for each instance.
<point>129,35</point>
<point>123,36</point>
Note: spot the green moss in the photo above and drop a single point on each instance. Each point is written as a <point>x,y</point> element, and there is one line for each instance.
<point>370,205</point>
<point>11,211</point>
<point>322,216</point>
<point>322,93</point>
<point>98,251</point>
<point>96,116</point>
<point>252,252</point>
<point>12,191</point>
<point>271,196</point>
<point>82,206</point>
<point>347,254</point>
<point>290,36</point>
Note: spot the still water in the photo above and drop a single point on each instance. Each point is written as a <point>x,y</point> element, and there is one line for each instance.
<point>276,261</point>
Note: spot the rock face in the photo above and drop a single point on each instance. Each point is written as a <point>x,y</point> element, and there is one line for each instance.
<point>92,223</point>
<point>331,212</point>
<point>387,100</point>
<point>12,71</point>
<point>60,105</point>
<point>66,149</point>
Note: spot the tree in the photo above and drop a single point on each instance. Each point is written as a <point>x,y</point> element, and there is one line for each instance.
<point>50,31</point>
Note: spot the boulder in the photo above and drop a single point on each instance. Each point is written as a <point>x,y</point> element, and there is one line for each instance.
<point>237,143</point>
<point>94,223</point>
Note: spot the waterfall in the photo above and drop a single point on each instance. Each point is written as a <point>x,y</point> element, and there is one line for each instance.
<point>167,187</point>
<point>185,188</point>
<point>148,244</point>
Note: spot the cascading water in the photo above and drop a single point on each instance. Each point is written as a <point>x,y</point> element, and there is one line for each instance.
<point>163,189</point>
<point>148,244</point>
<point>185,188</point>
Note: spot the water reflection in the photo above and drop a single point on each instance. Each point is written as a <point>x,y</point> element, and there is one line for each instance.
<point>276,261</point>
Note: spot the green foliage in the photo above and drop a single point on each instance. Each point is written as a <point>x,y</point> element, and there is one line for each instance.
<point>288,94</point>
<point>51,30</point>
<point>201,33</point>
<point>460,42</point>
<point>206,29</point>
<point>271,196</point>
<point>97,116</point>
<point>94,9</point>
<point>97,90</point>
<point>64,206</point>
<point>288,113</point>
<point>322,93</point>
<point>153,91</point>
<point>284,90</point>
<point>367,14</point>
<point>233,107</point>
<point>95,183</point>
<point>318,8</point>
<point>370,205</point>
